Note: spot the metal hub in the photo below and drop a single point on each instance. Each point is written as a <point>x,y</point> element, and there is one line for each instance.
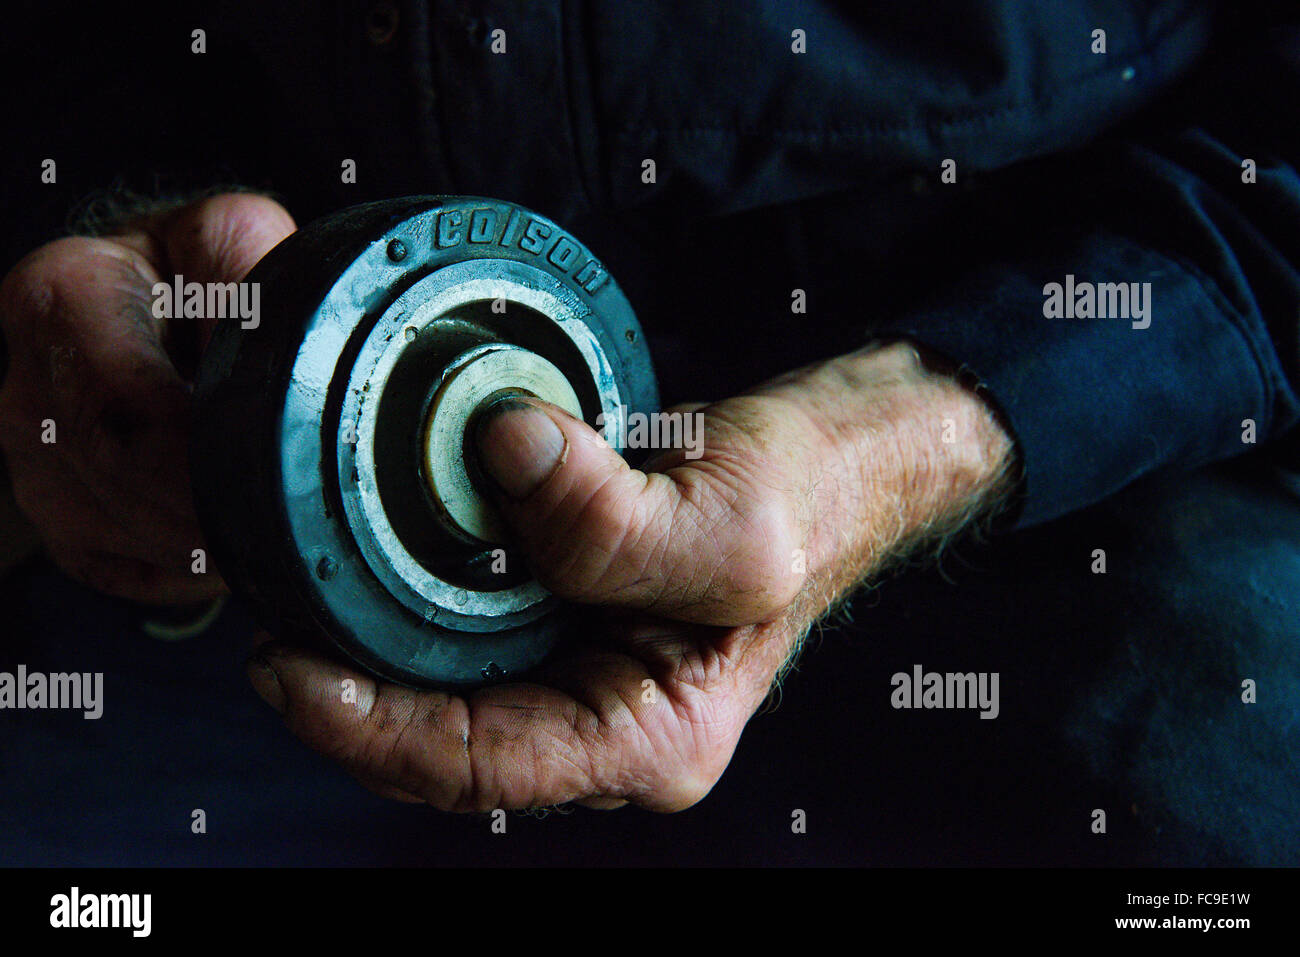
<point>474,380</point>
<point>444,347</point>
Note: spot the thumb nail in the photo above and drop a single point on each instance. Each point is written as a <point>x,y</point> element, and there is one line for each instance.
<point>519,446</point>
<point>266,682</point>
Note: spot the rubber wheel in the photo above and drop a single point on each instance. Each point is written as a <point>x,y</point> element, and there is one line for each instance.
<point>268,413</point>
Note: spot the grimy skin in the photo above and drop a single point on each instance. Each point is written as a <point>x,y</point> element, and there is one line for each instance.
<point>711,569</point>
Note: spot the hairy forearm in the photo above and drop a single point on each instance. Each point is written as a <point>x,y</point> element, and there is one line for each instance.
<point>900,458</point>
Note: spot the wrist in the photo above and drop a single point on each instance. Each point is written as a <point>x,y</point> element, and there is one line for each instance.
<point>905,456</point>
<point>956,462</point>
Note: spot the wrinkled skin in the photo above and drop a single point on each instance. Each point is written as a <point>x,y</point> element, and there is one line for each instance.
<point>110,497</point>
<point>711,569</point>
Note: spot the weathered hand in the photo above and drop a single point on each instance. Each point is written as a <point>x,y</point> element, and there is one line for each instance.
<point>710,570</point>
<point>94,412</point>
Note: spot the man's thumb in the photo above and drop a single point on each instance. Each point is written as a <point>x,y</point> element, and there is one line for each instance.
<point>678,543</point>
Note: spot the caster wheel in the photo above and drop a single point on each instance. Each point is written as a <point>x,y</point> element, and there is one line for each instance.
<point>331,468</point>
